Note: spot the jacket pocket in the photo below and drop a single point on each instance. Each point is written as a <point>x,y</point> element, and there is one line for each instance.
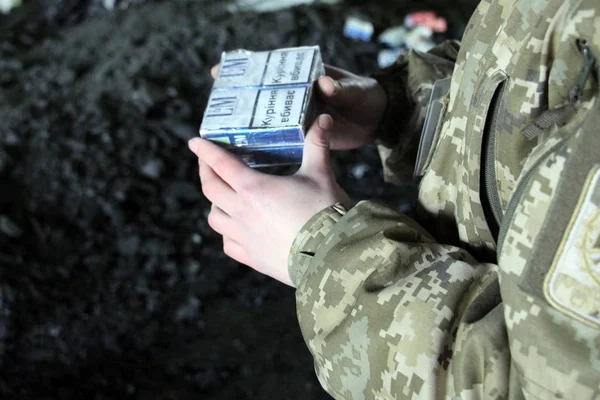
<point>490,199</point>
<point>487,106</point>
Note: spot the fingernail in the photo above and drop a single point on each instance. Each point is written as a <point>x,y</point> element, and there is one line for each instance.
<point>324,122</point>
<point>192,144</point>
<point>336,86</point>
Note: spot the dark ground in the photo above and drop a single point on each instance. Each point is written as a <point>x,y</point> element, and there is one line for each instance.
<point>112,285</point>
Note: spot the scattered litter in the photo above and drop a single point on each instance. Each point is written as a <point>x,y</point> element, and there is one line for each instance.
<point>420,32</point>
<point>7,5</point>
<point>360,29</point>
<point>428,19</point>
<point>262,6</point>
<point>420,39</point>
<point>418,18</point>
<point>416,34</point>
<point>423,46</point>
<point>440,26</point>
<point>393,37</point>
<point>109,4</point>
<point>387,57</point>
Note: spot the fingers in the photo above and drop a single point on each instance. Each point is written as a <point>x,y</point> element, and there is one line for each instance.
<point>214,71</point>
<point>215,189</point>
<point>328,86</point>
<point>234,250</point>
<point>223,224</point>
<point>316,146</point>
<point>345,93</point>
<point>226,165</point>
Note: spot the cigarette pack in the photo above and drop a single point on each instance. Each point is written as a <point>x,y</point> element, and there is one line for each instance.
<point>262,104</point>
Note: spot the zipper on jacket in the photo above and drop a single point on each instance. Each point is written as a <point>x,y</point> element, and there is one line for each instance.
<point>518,193</point>
<point>490,200</point>
<point>589,65</point>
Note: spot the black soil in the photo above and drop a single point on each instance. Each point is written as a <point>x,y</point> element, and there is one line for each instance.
<point>112,285</point>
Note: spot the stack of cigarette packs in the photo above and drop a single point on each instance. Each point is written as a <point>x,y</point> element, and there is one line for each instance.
<point>262,104</point>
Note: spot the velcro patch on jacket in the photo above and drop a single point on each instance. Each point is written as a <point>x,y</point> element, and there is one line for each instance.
<point>573,284</point>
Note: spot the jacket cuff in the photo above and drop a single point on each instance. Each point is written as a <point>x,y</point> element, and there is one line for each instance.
<point>310,237</point>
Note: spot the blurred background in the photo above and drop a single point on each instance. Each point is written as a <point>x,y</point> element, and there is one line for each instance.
<point>112,285</point>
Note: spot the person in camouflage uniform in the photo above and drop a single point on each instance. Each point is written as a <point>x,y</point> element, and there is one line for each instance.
<point>493,290</point>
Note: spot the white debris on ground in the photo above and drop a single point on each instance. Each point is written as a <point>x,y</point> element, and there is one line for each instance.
<point>272,5</point>
<point>394,36</point>
<point>416,34</point>
<point>387,57</point>
<point>7,5</point>
<point>420,39</point>
<point>109,4</point>
<point>358,28</point>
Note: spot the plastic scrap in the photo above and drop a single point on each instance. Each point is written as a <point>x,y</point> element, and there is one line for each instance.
<point>109,4</point>
<point>420,39</point>
<point>423,46</point>
<point>416,34</point>
<point>393,37</point>
<point>7,5</point>
<point>428,19</point>
<point>261,104</point>
<point>387,57</point>
<point>360,29</point>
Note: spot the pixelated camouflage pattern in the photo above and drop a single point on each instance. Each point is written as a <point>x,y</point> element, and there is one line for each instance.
<point>390,312</point>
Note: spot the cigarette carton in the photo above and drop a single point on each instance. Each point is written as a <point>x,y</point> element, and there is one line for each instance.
<point>262,104</point>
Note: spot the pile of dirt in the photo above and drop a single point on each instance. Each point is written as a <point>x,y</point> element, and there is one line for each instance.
<point>112,285</point>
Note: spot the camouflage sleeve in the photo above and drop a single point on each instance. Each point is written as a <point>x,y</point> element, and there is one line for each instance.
<point>389,314</point>
<point>408,85</point>
<point>379,304</point>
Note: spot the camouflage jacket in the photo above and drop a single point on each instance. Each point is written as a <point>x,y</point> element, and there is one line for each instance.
<point>493,290</point>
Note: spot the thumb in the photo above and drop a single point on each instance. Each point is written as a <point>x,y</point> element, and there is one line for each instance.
<point>338,92</point>
<point>316,146</point>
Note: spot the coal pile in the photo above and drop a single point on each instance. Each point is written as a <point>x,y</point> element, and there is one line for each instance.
<point>112,285</point>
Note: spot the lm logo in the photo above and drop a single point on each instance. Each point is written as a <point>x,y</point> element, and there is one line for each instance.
<point>234,67</point>
<point>221,106</point>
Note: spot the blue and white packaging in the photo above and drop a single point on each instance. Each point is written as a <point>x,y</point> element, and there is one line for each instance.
<point>359,29</point>
<point>262,104</point>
